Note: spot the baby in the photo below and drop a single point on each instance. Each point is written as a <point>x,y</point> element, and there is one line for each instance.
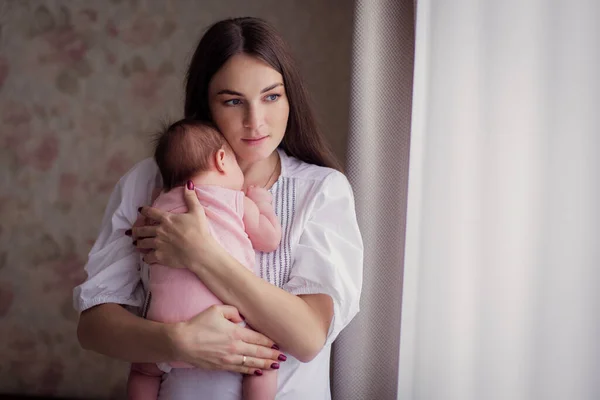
<point>241,223</point>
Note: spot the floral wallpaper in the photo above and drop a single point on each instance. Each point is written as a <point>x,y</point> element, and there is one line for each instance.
<point>83,84</point>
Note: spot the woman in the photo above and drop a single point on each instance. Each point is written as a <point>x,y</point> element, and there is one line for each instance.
<point>242,79</point>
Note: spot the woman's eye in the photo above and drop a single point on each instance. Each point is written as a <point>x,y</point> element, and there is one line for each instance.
<point>273,97</point>
<point>233,102</point>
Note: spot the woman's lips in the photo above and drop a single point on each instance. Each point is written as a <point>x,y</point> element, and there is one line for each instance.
<point>255,141</point>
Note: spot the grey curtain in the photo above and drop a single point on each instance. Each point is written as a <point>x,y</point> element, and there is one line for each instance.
<point>365,356</point>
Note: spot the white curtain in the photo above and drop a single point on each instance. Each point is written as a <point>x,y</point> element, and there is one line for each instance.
<point>502,261</point>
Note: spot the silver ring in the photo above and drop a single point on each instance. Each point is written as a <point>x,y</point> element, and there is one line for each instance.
<point>244,360</point>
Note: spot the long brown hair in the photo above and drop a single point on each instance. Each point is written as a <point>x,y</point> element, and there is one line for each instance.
<point>255,37</point>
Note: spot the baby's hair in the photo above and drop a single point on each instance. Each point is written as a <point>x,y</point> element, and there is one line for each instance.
<point>184,149</point>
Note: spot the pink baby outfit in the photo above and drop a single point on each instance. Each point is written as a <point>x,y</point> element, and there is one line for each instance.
<point>176,295</point>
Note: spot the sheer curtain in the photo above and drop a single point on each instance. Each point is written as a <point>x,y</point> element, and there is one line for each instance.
<point>502,260</point>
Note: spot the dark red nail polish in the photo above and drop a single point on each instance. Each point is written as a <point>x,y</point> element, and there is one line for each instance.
<point>282,357</point>
<point>258,372</point>
<point>275,366</point>
<point>139,209</point>
<point>275,347</point>
<point>128,232</point>
<point>190,185</point>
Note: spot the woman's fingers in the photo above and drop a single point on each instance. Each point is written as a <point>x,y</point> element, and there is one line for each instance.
<point>260,357</point>
<point>243,370</point>
<point>145,231</point>
<point>259,363</point>
<point>190,198</point>
<point>146,243</point>
<point>269,354</point>
<point>248,365</point>
<point>253,337</point>
<point>229,312</point>
<point>213,340</point>
<point>150,258</point>
<point>153,213</point>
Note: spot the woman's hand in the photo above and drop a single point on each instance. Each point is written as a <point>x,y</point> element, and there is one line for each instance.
<point>213,340</point>
<point>175,240</point>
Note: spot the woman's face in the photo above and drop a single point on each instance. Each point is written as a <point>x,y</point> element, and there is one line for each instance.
<point>249,105</point>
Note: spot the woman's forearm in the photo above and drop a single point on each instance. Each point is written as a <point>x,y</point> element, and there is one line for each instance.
<point>111,330</point>
<point>297,326</point>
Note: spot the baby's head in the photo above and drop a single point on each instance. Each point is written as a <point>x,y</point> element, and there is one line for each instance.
<point>195,150</point>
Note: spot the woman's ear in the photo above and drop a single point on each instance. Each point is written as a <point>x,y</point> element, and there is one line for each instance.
<point>220,157</point>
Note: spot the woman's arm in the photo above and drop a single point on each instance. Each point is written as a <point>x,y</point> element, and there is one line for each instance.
<point>211,340</point>
<point>299,324</point>
<point>111,330</point>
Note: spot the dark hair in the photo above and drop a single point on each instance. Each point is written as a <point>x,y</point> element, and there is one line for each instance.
<point>255,37</point>
<point>181,152</point>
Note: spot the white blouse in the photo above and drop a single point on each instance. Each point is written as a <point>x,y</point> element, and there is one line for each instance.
<point>321,251</point>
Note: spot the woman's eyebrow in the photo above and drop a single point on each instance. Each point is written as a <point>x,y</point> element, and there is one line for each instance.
<point>234,93</point>
<point>271,87</point>
<point>231,92</point>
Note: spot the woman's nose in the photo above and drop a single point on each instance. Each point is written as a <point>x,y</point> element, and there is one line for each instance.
<point>254,117</point>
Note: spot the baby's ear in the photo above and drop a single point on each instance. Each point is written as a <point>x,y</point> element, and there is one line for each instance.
<point>220,159</point>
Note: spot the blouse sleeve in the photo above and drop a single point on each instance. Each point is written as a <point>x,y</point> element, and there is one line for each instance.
<point>329,256</point>
<point>112,266</point>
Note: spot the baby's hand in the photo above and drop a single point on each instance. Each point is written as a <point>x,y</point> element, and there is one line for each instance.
<point>258,194</point>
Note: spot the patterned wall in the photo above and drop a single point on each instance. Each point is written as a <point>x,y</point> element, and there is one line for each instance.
<point>82,84</point>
